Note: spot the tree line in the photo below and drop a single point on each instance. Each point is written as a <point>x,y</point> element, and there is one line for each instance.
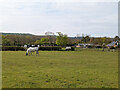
<point>59,40</point>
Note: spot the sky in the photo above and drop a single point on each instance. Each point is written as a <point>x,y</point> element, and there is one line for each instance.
<point>92,17</point>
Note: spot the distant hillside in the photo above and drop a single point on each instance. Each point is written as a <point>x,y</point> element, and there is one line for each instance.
<point>17,34</point>
<point>37,35</point>
<point>75,37</point>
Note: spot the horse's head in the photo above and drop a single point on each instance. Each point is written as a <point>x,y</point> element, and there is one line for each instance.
<point>26,54</point>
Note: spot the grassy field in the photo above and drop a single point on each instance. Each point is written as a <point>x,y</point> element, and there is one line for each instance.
<point>60,69</point>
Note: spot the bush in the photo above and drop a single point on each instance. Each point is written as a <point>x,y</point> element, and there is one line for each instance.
<point>90,46</point>
<point>13,48</point>
<point>98,46</point>
<point>50,48</point>
<point>72,48</point>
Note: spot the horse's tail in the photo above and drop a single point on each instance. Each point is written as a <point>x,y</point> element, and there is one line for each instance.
<point>27,52</point>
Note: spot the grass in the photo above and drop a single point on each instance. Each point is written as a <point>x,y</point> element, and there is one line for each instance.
<point>60,69</point>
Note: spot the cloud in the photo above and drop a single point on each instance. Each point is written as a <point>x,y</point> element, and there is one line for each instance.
<point>74,18</point>
<point>58,1</point>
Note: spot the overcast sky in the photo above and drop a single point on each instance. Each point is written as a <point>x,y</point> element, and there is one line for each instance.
<point>69,17</point>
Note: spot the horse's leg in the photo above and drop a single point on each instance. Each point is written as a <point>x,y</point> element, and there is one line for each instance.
<point>37,53</point>
<point>29,53</point>
<point>103,49</point>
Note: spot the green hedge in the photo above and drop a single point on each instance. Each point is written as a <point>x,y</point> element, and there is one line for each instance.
<point>18,48</point>
<point>13,48</point>
<point>50,48</point>
<point>72,48</point>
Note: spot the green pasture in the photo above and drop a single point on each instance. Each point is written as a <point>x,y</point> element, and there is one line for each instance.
<point>60,69</point>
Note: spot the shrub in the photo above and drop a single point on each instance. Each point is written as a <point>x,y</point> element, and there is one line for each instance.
<point>98,46</point>
<point>90,46</point>
<point>72,48</point>
<point>50,48</point>
<point>13,48</point>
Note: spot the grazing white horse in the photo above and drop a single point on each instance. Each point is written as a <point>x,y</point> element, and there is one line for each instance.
<point>68,48</point>
<point>32,49</point>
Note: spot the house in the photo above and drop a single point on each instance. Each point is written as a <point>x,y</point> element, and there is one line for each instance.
<point>85,45</point>
<point>113,44</point>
